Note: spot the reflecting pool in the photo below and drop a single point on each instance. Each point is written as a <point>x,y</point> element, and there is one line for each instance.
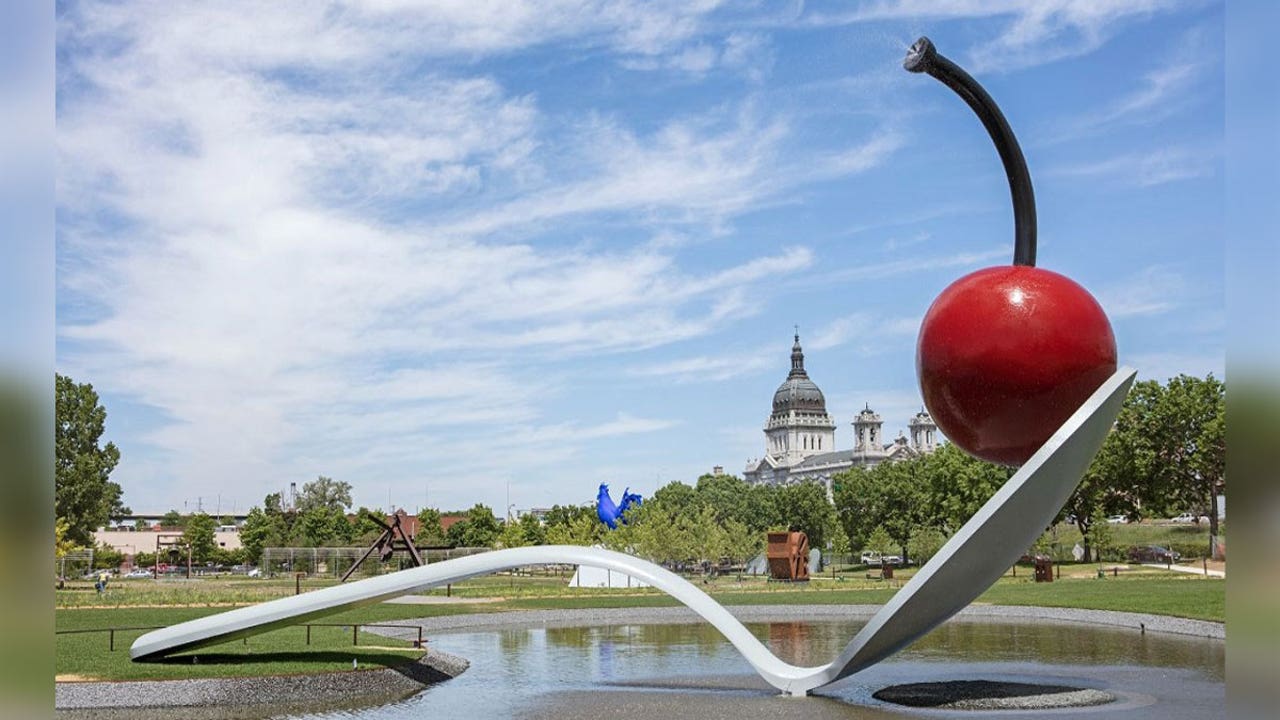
<point>689,670</point>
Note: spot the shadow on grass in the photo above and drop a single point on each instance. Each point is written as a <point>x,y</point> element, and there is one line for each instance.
<point>316,657</point>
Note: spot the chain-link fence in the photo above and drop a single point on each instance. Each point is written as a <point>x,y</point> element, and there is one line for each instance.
<point>335,561</point>
<point>74,564</point>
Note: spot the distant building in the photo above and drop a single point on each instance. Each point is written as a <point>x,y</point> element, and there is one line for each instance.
<point>800,442</point>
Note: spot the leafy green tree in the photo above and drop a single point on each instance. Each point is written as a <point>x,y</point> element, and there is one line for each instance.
<point>325,492</point>
<point>676,494</point>
<point>878,540</point>
<point>804,506</point>
<point>892,496</point>
<point>482,528</point>
<point>141,525</point>
<point>512,535</point>
<point>762,507</point>
<point>457,534</point>
<point>1187,430</point>
<point>955,485</point>
<point>106,557</point>
<point>741,543</point>
<point>322,525</point>
<point>566,515</point>
<point>84,495</point>
<point>261,530</point>
<point>576,529</point>
<point>534,533</point>
<point>62,544</point>
<point>430,532</point>
<point>727,495</point>
<point>364,529</point>
<point>199,536</point>
<point>173,519</point>
<point>925,543</point>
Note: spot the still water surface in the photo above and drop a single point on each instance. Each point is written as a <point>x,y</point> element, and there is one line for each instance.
<point>689,670</point>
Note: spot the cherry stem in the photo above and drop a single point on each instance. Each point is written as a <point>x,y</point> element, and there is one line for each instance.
<point>924,57</point>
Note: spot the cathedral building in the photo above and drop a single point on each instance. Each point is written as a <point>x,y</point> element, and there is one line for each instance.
<point>800,437</point>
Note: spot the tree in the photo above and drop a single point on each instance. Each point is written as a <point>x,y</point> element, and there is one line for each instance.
<point>261,530</point>
<point>955,485</point>
<point>84,496</point>
<point>325,492</point>
<point>534,533</point>
<point>892,496</point>
<point>727,495</point>
<point>141,525</point>
<point>512,535</point>
<point>481,528</point>
<point>429,530</point>
<point>199,536</point>
<point>61,543</point>
<point>804,507</point>
<point>676,494</point>
<point>575,529</point>
<point>172,519</point>
<point>741,543</point>
<point>1187,430</point>
<point>323,525</point>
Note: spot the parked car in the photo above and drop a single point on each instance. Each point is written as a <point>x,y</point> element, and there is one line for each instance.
<point>1153,553</point>
<point>138,573</point>
<point>1187,517</point>
<point>1118,520</point>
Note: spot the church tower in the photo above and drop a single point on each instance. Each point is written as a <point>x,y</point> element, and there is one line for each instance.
<point>868,434</point>
<point>924,433</point>
<point>799,425</point>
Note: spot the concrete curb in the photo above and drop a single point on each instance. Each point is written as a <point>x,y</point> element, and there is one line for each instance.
<point>359,686</point>
<point>1141,622</point>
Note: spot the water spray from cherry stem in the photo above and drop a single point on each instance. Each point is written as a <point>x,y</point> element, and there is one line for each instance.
<point>924,57</point>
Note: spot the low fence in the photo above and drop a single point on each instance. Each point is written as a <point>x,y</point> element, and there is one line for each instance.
<point>335,561</point>
<point>412,631</point>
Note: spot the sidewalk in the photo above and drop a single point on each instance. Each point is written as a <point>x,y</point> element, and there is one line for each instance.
<point>1189,569</point>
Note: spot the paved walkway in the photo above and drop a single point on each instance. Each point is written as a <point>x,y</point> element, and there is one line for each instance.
<point>1189,569</point>
<point>439,600</point>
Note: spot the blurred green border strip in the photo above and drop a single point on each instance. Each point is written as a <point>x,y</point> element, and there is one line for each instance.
<point>1252,237</point>
<point>27,66</point>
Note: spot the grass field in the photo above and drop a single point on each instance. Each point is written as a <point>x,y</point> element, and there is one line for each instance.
<point>150,603</point>
<point>280,652</point>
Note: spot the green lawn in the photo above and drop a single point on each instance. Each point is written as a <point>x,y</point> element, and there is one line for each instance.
<point>279,652</point>
<point>285,651</point>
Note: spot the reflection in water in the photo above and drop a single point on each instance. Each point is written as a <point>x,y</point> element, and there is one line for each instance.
<point>684,670</point>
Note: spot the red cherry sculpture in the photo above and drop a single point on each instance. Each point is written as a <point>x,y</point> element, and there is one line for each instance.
<point>1006,354</point>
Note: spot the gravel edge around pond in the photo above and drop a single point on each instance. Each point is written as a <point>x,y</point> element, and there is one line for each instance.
<point>333,688</point>
<point>1140,622</point>
<point>435,666</point>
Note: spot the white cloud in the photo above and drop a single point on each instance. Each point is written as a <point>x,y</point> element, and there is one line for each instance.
<point>1152,291</point>
<point>705,368</point>
<point>234,253</point>
<point>1036,32</point>
<point>1170,87</point>
<point>871,333</point>
<point>1162,366</point>
<point>1145,169</point>
<point>906,266</point>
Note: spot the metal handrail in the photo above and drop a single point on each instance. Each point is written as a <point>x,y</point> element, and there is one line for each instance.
<point>355,631</point>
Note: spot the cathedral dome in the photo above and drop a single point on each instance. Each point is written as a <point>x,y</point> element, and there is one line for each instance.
<point>798,392</point>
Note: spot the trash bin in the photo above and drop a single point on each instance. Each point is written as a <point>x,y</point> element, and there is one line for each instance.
<point>1044,569</point>
<point>886,571</point>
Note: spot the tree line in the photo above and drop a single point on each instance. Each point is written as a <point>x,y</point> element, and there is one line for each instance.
<point>1165,455</point>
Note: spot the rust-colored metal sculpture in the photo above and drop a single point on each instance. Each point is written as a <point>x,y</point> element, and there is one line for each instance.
<point>788,556</point>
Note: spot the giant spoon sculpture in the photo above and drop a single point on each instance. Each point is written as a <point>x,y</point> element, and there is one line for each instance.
<point>1023,358</point>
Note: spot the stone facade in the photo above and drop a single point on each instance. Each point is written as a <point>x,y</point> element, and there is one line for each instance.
<point>800,435</point>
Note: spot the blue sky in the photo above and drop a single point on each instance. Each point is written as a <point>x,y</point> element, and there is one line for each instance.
<point>442,252</point>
